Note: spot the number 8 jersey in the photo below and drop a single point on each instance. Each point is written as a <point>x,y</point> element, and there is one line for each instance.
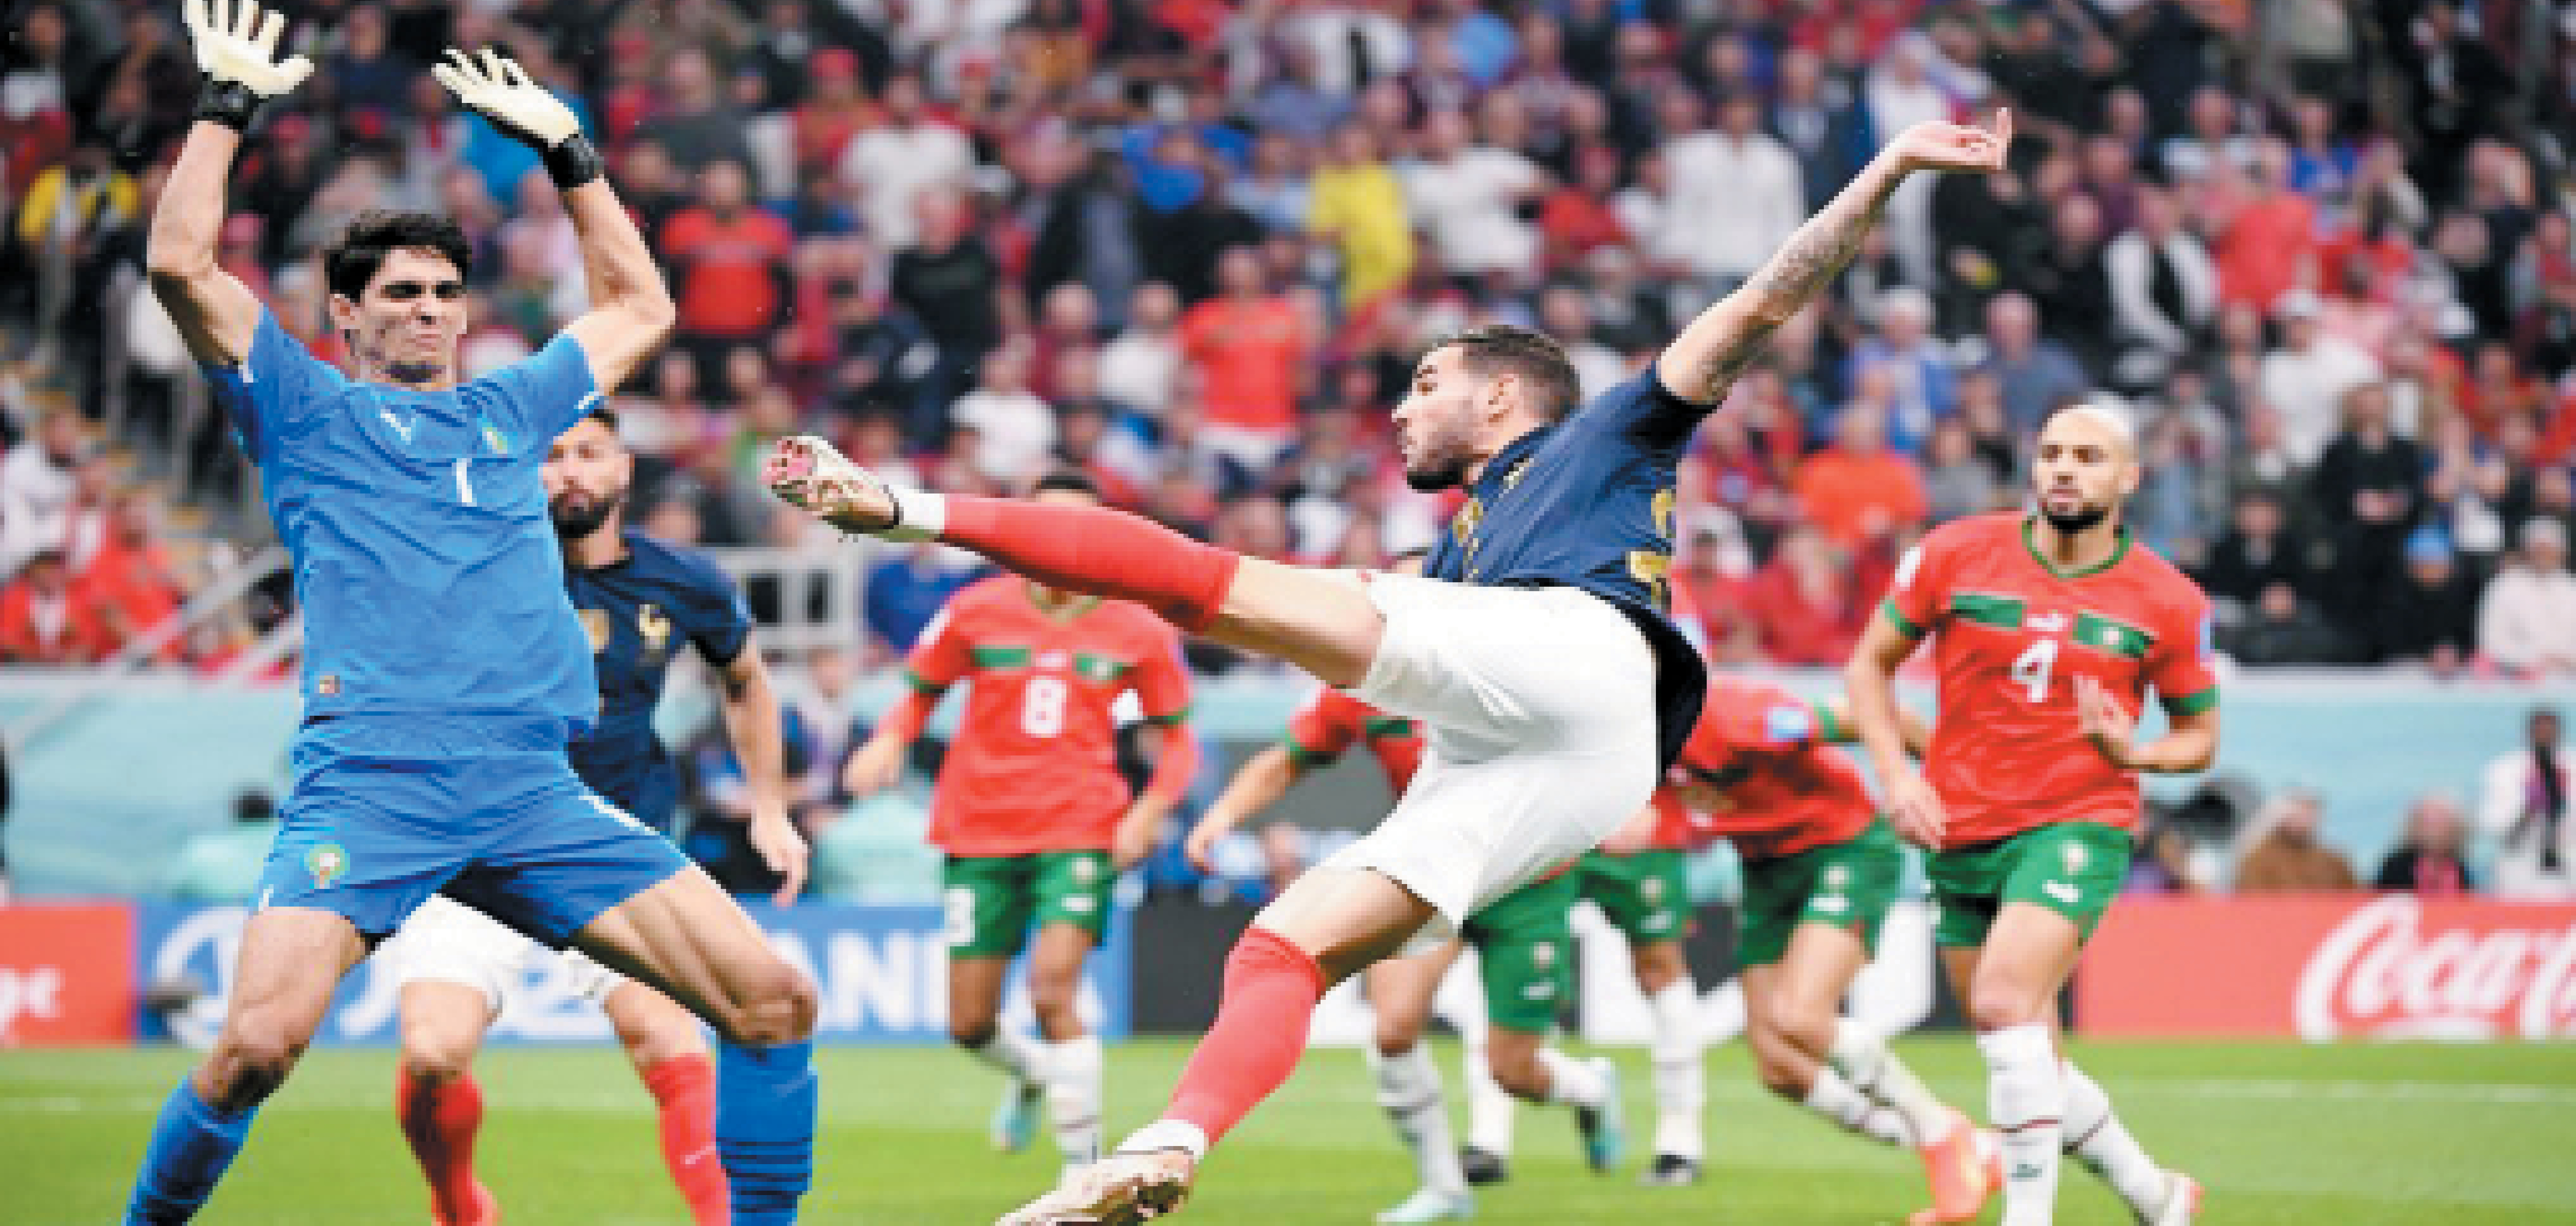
<point>1034,764</point>
<point>2011,633</point>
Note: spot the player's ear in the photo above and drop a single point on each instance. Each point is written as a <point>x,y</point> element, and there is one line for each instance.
<point>343,311</point>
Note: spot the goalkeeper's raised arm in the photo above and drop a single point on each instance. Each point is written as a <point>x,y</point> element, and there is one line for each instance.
<point>630,309</point>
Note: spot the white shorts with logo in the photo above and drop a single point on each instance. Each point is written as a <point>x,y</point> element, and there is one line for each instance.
<point>1537,708</point>
<point>448,942</point>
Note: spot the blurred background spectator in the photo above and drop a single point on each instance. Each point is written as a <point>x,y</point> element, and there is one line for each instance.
<point>2434,857</point>
<point>2285,853</point>
<point>2522,804</point>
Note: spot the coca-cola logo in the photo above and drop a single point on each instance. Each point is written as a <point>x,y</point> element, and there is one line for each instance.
<point>2380,974</point>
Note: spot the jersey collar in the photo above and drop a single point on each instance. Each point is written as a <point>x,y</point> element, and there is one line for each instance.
<point>1070,611</point>
<point>2119,550</point>
<point>1498,469</point>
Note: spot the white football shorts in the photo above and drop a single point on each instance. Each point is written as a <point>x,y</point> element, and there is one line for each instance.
<point>1537,707</point>
<point>449,942</point>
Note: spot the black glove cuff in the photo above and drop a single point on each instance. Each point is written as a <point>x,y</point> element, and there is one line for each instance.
<point>229,103</point>
<point>574,161</point>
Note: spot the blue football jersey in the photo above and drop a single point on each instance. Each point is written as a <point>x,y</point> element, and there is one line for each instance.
<point>429,576</point>
<point>1588,503</point>
<point>637,612</point>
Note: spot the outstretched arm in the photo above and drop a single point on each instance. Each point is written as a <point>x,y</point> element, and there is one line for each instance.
<point>1258,784</point>
<point>235,46</point>
<point>630,309</point>
<point>1716,347</point>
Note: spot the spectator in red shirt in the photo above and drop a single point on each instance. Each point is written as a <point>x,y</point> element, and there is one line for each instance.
<point>728,262</point>
<point>1247,346</point>
<point>2271,238</point>
<point>130,584</point>
<point>1577,217</point>
<point>43,621</point>
<point>1857,489</point>
<point>1802,601</point>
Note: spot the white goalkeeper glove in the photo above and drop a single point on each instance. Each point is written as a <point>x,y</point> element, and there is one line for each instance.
<point>236,44</point>
<point>496,88</point>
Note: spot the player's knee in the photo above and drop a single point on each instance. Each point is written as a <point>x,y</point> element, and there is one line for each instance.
<point>1781,1073</point>
<point>1053,992</point>
<point>650,1043</point>
<point>970,1035</point>
<point>1395,1036</point>
<point>252,1060</point>
<point>2000,1003</point>
<point>778,1005</point>
<point>1806,1027</point>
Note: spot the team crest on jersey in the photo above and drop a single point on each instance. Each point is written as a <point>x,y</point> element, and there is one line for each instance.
<point>1836,877</point>
<point>1470,515</point>
<point>655,626</point>
<point>1543,955</point>
<point>1651,889</point>
<point>1054,659</point>
<point>328,863</point>
<point>493,437</point>
<point>1085,870</point>
<point>2075,856</point>
<point>1513,478</point>
<point>594,626</point>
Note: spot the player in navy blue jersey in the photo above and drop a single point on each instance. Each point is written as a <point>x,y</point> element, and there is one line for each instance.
<point>641,602</point>
<point>1551,687</point>
<point>444,669</point>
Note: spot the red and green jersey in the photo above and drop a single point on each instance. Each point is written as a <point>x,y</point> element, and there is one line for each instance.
<point>1034,766</point>
<point>1781,789</point>
<point>2010,635</point>
<point>1332,721</point>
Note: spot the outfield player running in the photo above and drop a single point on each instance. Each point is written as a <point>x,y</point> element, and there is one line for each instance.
<point>1034,817</point>
<point>1820,871</point>
<point>640,600</point>
<point>1551,685</point>
<point>444,670</point>
<point>1524,949</point>
<point>1642,886</point>
<point>2047,630</point>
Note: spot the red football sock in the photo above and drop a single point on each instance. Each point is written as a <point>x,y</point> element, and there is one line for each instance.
<point>1099,551</point>
<point>440,1120</point>
<point>1271,988</point>
<point>685,1086</point>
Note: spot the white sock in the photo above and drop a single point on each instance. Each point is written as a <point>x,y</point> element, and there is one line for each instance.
<point>1837,1100</point>
<point>1167,1134</point>
<point>1681,1083</point>
<point>1073,1098</point>
<point>1863,1059</point>
<point>1408,1086</point>
<point>1016,1054</point>
<point>1571,1081</point>
<point>2093,1134</point>
<point>2027,1099</point>
<point>1490,1109</point>
<point>919,515</point>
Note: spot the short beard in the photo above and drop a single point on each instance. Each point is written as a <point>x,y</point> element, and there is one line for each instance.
<point>1433,480</point>
<point>2082,519</point>
<point>573,525</point>
<point>412,374</point>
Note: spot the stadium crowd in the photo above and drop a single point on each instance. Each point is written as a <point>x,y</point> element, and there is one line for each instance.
<point>2322,254</point>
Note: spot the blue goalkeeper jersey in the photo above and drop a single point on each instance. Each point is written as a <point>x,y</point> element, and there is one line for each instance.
<point>1588,503</point>
<point>430,579</point>
<point>638,612</point>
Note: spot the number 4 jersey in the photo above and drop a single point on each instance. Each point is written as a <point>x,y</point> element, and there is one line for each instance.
<point>2010,635</point>
<point>1034,764</point>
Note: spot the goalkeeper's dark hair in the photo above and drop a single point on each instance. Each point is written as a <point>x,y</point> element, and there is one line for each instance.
<point>602,414</point>
<point>1072,479</point>
<point>1507,349</point>
<point>350,263</point>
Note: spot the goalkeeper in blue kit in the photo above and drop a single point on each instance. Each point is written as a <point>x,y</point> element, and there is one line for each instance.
<point>445,671</point>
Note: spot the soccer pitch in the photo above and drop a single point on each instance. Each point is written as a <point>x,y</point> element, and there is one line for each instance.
<point>2281,1134</point>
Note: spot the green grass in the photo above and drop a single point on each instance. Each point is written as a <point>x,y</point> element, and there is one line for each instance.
<point>2458,1135</point>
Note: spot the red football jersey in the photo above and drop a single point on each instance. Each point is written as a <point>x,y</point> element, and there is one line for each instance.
<point>1034,766</point>
<point>2010,635</point>
<point>1332,721</point>
<point>1782,789</point>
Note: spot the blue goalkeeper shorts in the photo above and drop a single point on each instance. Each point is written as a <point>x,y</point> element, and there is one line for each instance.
<point>388,810</point>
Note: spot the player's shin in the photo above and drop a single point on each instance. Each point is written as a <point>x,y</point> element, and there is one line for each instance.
<point>1087,549</point>
<point>1864,1060</point>
<point>440,1118</point>
<point>1491,1109</point>
<point>766,1100</point>
<point>684,1089</point>
<point>1073,1097</point>
<point>1681,1083</point>
<point>1271,988</point>
<point>2094,1135</point>
<point>2026,1097</point>
<point>1024,1059</point>
<point>1408,1087</point>
<point>192,1143</point>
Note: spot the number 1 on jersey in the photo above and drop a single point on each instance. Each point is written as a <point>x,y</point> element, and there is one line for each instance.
<point>2032,666</point>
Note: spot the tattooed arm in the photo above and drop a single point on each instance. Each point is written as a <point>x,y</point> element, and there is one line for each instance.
<point>1725,339</point>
